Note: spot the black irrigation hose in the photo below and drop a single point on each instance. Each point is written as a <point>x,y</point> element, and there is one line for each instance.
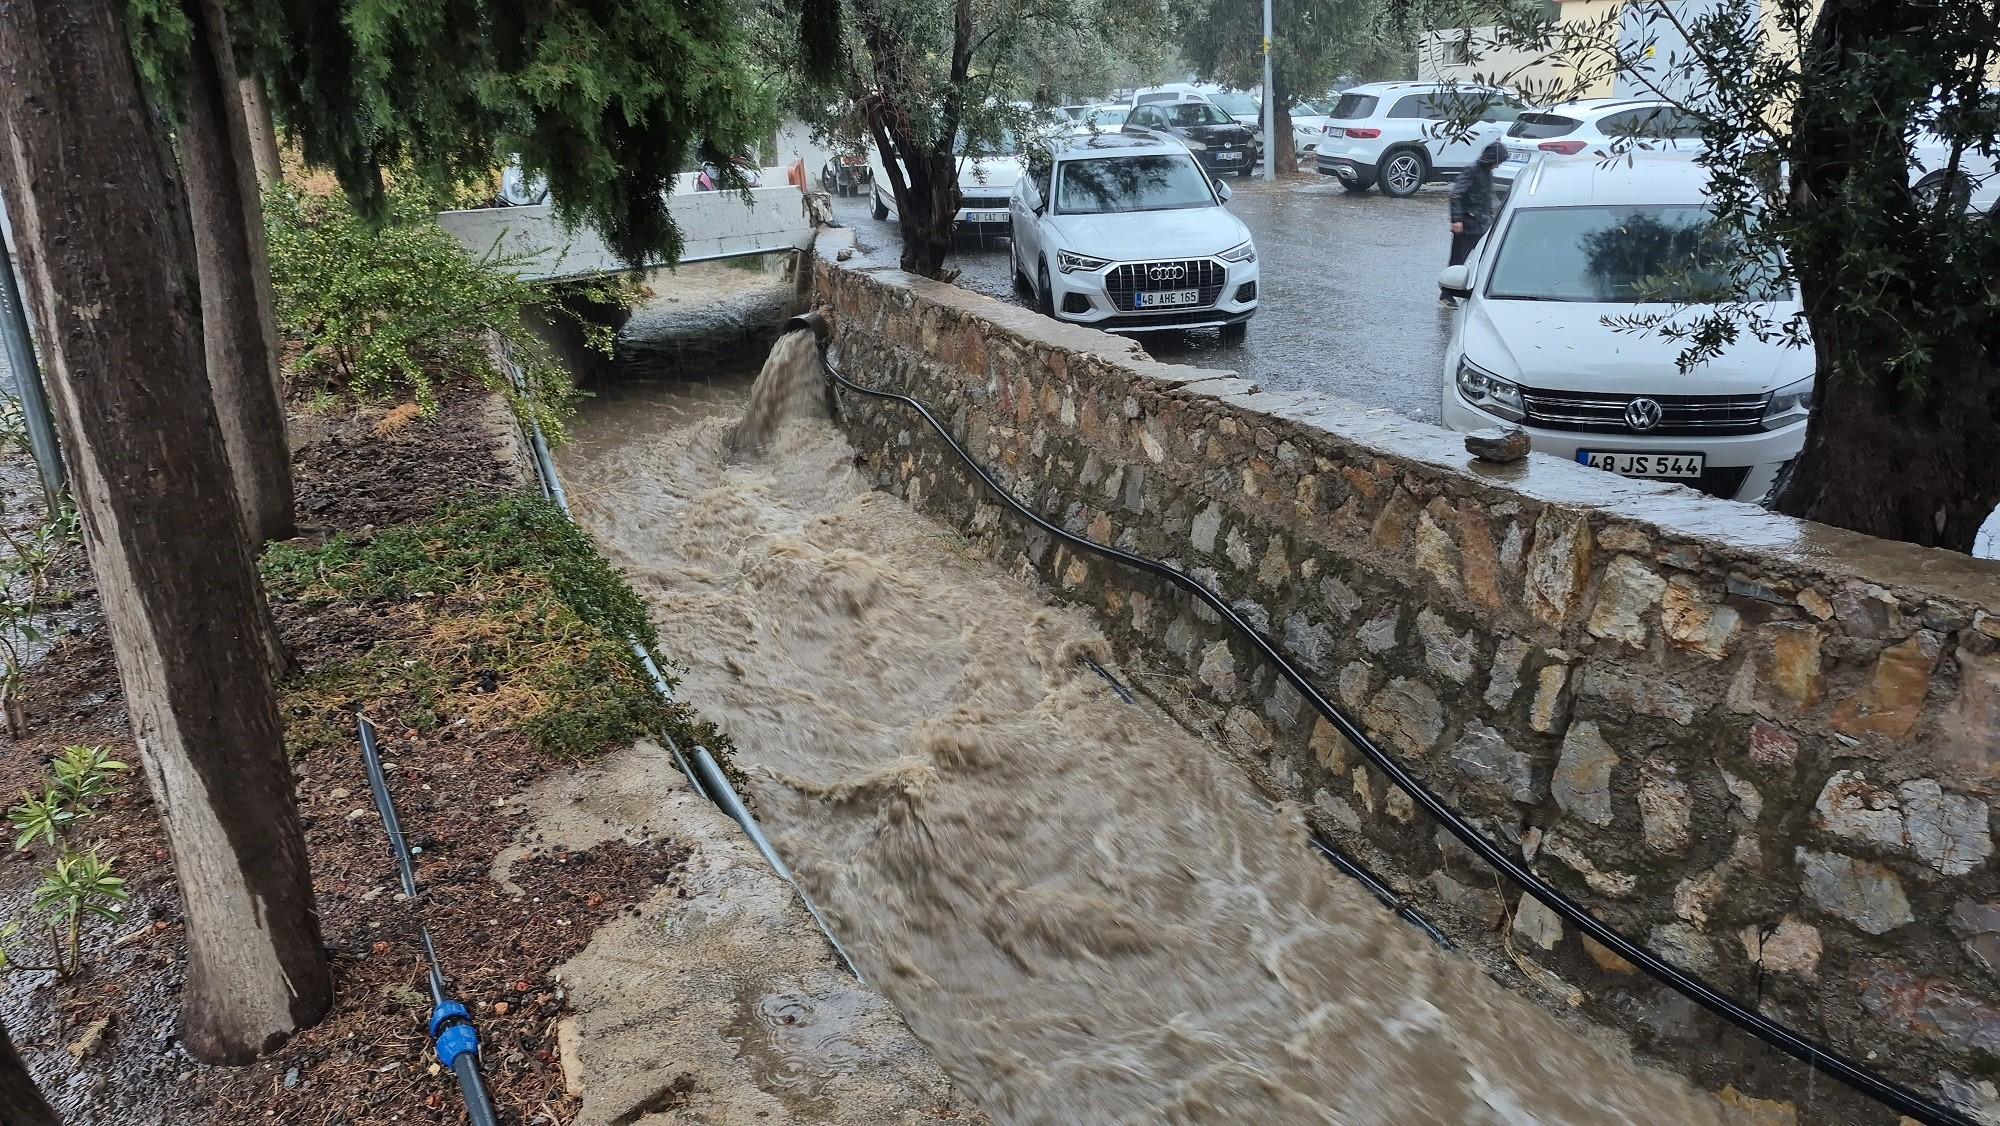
<point>1878,1087</point>
<point>453,1037</point>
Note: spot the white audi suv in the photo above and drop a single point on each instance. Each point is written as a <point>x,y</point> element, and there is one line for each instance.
<point>1126,232</point>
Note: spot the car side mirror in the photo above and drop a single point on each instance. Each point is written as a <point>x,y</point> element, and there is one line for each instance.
<point>1222,190</point>
<point>1454,280</point>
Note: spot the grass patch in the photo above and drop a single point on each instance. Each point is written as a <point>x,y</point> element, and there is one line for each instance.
<point>498,614</point>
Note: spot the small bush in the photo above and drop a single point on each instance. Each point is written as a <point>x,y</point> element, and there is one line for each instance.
<point>394,311</point>
<point>499,612</point>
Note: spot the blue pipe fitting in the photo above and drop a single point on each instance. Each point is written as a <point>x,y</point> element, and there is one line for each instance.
<point>451,1027</point>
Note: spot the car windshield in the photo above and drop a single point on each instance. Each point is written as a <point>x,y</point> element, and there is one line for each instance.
<point>1003,144</point>
<point>1625,255</point>
<point>1539,126</point>
<point>1305,109</point>
<point>1104,185</point>
<point>1109,118</point>
<point>1182,115</point>
<point>1235,103</point>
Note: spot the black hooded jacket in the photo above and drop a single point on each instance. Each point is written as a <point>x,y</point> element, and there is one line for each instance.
<point>1472,193</point>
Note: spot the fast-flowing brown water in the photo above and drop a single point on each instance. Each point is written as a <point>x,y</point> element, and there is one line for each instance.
<point>1088,915</point>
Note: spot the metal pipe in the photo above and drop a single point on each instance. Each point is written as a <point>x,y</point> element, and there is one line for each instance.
<point>724,795</point>
<point>18,344</point>
<point>1823,1059</point>
<point>454,1038</point>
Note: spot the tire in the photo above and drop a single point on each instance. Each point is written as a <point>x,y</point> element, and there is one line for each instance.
<point>1401,173</point>
<point>1932,186</point>
<point>1235,333</point>
<point>881,209</point>
<point>1045,298</point>
<point>1021,286</point>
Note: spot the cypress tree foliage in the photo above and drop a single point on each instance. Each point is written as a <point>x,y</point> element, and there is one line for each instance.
<point>607,99</point>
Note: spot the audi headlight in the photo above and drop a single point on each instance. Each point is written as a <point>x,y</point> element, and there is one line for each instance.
<point>1069,262</point>
<point>1243,252</point>
<point>1790,403</point>
<point>1489,392</point>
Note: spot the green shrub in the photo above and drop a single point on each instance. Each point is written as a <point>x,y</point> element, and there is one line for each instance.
<point>396,310</point>
<point>500,612</point>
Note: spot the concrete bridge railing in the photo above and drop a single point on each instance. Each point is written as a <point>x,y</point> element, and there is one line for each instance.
<point>713,225</point>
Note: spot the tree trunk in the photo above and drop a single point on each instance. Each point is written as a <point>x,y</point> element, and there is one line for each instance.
<point>1282,152</point>
<point>929,217</point>
<point>263,133</point>
<point>1883,455</point>
<point>21,1102</point>
<point>239,328</point>
<point>105,251</point>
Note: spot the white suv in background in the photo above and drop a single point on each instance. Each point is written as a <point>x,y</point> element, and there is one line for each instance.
<point>1594,129</point>
<point>1126,232</point>
<point>1579,242</point>
<point>1398,135</point>
<point>986,175</point>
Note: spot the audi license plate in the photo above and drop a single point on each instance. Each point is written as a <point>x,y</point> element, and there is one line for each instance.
<point>1166,297</point>
<point>986,216</point>
<point>1228,157</point>
<point>1674,466</point>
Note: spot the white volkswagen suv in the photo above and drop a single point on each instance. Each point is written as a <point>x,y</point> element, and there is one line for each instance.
<point>1578,242</point>
<point>1125,232</point>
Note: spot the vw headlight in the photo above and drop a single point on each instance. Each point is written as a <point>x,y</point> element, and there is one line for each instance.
<point>1242,252</point>
<point>1069,262</point>
<point>1790,403</point>
<point>1194,145</point>
<point>1489,392</point>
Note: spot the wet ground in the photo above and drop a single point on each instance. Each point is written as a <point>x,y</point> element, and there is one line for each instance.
<point>1349,292</point>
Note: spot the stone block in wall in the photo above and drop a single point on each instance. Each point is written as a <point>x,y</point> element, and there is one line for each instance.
<point>1483,755</point>
<point>1791,947</point>
<point>1929,1008</point>
<point>1627,592</point>
<point>1693,623</point>
<point>1582,780</point>
<point>1558,566</point>
<point>1862,892</point>
<point>1891,701</point>
<point>1783,675</point>
<point>1948,831</point>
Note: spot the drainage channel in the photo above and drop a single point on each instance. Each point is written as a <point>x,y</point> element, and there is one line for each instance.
<point>1821,1058</point>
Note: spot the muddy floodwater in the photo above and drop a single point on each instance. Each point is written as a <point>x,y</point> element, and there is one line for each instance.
<point>1087,914</point>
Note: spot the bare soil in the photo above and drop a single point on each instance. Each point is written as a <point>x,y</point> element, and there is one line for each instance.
<point>103,1044</point>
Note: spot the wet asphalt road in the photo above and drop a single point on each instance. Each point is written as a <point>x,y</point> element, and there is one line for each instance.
<point>1349,292</point>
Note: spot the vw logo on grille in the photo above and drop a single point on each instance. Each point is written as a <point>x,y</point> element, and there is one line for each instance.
<point>1642,414</point>
<point>1166,273</point>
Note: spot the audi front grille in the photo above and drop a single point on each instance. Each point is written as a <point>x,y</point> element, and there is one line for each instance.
<point>1679,415</point>
<point>1203,274</point>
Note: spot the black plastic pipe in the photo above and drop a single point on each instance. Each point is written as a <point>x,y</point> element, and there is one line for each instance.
<point>452,1034</point>
<point>1823,1059</point>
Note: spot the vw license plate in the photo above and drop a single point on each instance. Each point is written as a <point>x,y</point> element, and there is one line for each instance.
<point>1228,157</point>
<point>1674,466</point>
<point>1167,297</point>
<point>986,216</point>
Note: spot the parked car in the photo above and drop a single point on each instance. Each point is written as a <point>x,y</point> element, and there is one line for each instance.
<point>1308,123</point>
<point>1222,146</point>
<point>1128,232</point>
<point>986,175</point>
<point>1594,129</point>
<point>1108,118</point>
<point>846,173</point>
<point>1171,92</point>
<point>1398,136</point>
<point>1578,242</point>
<point>1247,109</point>
<point>518,189</point>
<point>709,179</point>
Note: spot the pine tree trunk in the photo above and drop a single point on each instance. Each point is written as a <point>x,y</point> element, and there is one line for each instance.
<point>239,327</point>
<point>106,254</point>
<point>263,132</point>
<point>21,1102</point>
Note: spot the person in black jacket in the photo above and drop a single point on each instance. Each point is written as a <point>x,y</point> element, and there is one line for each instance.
<point>1472,206</point>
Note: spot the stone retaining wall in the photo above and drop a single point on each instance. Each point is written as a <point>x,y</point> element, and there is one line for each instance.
<point>1766,748</point>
